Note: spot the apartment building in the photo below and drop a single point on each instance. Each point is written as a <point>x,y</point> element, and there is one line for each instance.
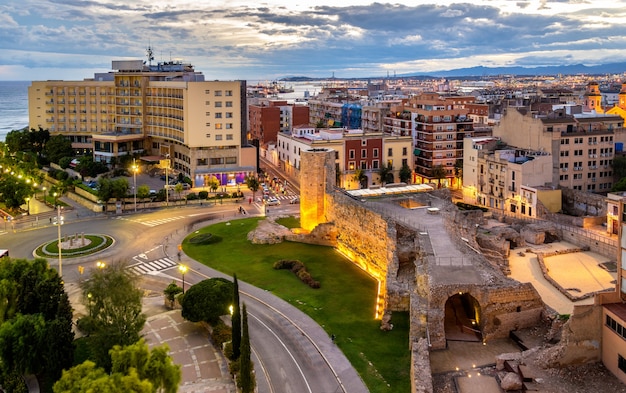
<point>164,111</point>
<point>506,178</point>
<point>355,150</point>
<point>269,117</point>
<point>437,125</point>
<point>581,145</point>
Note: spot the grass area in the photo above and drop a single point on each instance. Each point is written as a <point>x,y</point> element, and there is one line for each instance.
<point>343,306</point>
<point>289,222</point>
<point>98,243</point>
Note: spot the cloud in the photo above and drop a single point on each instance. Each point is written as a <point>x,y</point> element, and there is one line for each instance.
<point>245,39</point>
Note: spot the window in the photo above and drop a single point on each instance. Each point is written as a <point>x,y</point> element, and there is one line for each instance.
<point>228,93</point>
<point>375,153</point>
<point>564,153</point>
<point>229,137</point>
<point>229,115</point>
<point>390,152</point>
<point>207,102</point>
<point>229,126</point>
<point>363,153</point>
<point>218,104</point>
<point>208,124</point>
<point>218,126</point>
<point>202,161</point>
<point>208,113</point>
<point>565,141</point>
<point>218,93</point>
<point>229,104</point>
<point>218,115</point>
<point>351,154</point>
<point>207,92</point>
<point>231,160</point>
<point>375,164</point>
<point>363,165</point>
<point>218,137</point>
<point>404,151</point>
<point>208,135</point>
<point>364,142</point>
<point>216,161</point>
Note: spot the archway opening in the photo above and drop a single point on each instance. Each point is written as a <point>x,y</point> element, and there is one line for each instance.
<point>462,318</point>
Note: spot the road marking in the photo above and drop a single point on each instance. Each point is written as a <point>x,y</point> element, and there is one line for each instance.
<point>151,267</point>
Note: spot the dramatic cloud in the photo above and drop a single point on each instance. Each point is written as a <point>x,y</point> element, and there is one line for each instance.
<point>242,39</point>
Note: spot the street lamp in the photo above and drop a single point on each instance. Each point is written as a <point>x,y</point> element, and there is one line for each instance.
<point>183,270</point>
<point>27,206</point>
<point>101,265</point>
<point>59,222</point>
<point>167,179</point>
<point>135,182</point>
<point>44,195</point>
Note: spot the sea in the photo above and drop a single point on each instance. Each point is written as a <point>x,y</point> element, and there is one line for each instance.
<point>13,106</point>
<point>14,101</point>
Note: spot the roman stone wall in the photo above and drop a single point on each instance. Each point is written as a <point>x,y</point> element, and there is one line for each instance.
<point>595,242</point>
<point>504,307</point>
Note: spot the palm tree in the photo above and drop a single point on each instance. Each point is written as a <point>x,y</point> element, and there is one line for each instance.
<point>359,176</point>
<point>458,172</point>
<point>439,172</point>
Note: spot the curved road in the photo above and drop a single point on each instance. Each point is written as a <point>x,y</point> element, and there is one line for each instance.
<point>290,351</point>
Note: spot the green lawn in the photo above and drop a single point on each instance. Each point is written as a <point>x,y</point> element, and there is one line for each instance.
<point>343,306</point>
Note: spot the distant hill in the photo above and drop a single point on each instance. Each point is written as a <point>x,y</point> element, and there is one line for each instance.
<point>480,71</point>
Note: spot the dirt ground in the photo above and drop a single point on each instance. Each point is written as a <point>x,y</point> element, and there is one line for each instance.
<point>588,378</point>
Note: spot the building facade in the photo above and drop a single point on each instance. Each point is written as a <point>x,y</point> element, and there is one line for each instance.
<point>166,111</point>
<point>269,117</point>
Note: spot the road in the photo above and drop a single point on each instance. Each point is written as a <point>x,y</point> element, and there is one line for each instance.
<point>290,354</point>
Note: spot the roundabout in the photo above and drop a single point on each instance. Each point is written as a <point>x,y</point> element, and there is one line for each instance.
<point>74,246</point>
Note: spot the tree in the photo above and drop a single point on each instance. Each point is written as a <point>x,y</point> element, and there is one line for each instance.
<point>619,166</point>
<point>207,300</point>
<point>153,365</point>
<point>439,172</point>
<point>14,191</point>
<point>246,376</point>
<point>253,184</point>
<point>236,320</point>
<point>114,317</point>
<point>17,140</point>
<point>405,174</point>
<point>143,192</point>
<point>458,172</point>
<point>87,167</point>
<point>386,174</point>
<point>620,185</point>
<point>360,177</point>
<point>57,147</point>
<point>112,188</point>
<point>179,189</point>
<point>88,378</point>
<point>35,321</point>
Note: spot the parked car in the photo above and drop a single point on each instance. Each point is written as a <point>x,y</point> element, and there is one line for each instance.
<point>272,202</point>
<point>295,200</point>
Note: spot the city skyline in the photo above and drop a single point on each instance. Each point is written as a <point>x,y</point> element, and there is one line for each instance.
<point>71,40</point>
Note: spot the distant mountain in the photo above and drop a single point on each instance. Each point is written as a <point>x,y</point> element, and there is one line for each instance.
<point>480,71</point>
<point>573,69</point>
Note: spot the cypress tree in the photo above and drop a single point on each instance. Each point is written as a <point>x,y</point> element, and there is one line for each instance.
<point>236,321</point>
<point>246,378</point>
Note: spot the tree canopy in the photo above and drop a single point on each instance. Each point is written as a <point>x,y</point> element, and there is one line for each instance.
<point>207,300</point>
<point>112,188</point>
<point>114,316</point>
<point>88,378</point>
<point>57,147</point>
<point>36,334</point>
<point>405,174</point>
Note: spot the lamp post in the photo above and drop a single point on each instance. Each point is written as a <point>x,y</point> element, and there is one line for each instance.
<point>44,195</point>
<point>135,182</point>
<point>59,222</point>
<point>27,206</point>
<point>167,179</point>
<point>183,270</point>
<point>101,265</point>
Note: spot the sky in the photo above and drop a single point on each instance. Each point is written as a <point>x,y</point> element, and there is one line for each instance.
<point>272,39</point>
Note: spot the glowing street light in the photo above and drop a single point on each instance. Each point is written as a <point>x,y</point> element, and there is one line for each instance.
<point>183,270</point>
<point>101,265</point>
<point>135,169</point>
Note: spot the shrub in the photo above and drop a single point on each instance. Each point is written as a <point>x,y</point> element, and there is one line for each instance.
<point>297,268</point>
<point>205,238</point>
<point>192,196</point>
<point>221,333</point>
<point>171,291</point>
<point>203,194</point>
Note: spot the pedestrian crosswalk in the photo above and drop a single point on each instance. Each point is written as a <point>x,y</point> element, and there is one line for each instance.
<point>149,267</point>
<point>152,223</point>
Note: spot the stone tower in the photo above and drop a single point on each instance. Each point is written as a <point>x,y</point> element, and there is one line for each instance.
<point>317,176</point>
<point>593,98</point>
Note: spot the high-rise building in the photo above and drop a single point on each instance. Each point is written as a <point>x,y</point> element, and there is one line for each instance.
<point>269,117</point>
<point>154,112</point>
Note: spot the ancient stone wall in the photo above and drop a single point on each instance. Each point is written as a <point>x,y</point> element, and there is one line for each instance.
<point>579,203</point>
<point>504,307</point>
<point>421,375</point>
<point>596,243</point>
<point>368,240</point>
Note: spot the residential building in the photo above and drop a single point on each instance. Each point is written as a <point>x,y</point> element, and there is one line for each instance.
<point>269,117</point>
<point>158,112</point>
<point>506,178</point>
<point>355,150</point>
<point>581,144</point>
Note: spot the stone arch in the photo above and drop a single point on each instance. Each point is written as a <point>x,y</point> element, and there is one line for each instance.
<point>462,321</point>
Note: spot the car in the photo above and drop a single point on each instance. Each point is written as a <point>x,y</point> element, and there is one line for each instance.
<point>272,202</point>
<point>295,200</point>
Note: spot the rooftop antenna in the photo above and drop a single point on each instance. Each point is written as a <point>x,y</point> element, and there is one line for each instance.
<point>150,54</point>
